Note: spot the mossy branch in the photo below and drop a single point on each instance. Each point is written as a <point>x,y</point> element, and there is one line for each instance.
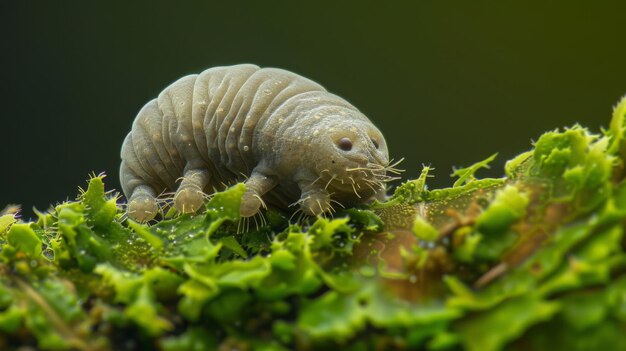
<point>534,259</point>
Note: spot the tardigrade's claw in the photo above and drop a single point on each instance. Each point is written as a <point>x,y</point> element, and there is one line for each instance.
<point>316,204</point>
<point>188,200</point>
<point>142,208</point>
<point>250,204</point>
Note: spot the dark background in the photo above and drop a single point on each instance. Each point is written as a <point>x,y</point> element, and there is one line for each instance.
<point>448,82</point>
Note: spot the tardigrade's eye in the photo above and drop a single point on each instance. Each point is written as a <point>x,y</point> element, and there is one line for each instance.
<point>344,144</point>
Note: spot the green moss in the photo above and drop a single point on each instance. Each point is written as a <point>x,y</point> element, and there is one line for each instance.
<point>488,264</point>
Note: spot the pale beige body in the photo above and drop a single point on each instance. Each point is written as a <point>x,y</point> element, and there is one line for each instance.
<point>275,130</point>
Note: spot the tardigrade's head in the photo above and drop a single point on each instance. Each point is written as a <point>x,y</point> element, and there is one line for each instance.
<point>350,156</point>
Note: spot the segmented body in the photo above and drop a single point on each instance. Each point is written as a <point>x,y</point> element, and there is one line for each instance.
<point>230,124</point>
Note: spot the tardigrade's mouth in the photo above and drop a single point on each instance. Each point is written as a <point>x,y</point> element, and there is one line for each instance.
<point>372,176</point>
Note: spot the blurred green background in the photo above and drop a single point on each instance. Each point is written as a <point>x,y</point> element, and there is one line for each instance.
<point>448,82</point>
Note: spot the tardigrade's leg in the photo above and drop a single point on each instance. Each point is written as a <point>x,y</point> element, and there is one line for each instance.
<point>314,199</point>
<point>190,196</point>
<point>256,186</point>
<point>142,204</point>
